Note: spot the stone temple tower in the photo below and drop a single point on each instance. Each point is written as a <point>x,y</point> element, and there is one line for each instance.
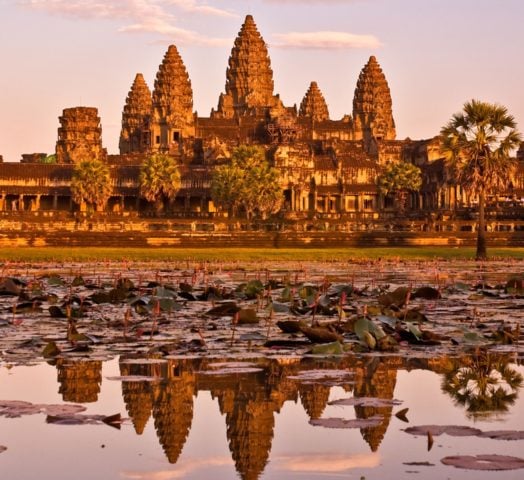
<point>172,118</point>
<point>249,77</point>
<point>372,107</point>
<point>135,136</point>
<point>79,136</point>
<point>313,104</point>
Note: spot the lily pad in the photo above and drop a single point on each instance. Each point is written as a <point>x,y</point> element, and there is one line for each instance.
<point>436,430</point>
<point>503,434</point>
<point>373,421</point>
<point>484,462</point>
<point>366,402</point>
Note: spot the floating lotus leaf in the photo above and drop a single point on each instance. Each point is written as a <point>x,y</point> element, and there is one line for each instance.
<point>436,430</point>
<point>503,434</point>
<point>334,348</point>
<point>484,462</point>
<point>428,293</point>
<point>247,316</point>
<point>370,422</point>
<point>321,334</point>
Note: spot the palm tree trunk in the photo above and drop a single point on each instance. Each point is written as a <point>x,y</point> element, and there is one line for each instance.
<point>481,233</point>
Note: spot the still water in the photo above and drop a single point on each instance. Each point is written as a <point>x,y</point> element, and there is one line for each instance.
<point>267,418</point>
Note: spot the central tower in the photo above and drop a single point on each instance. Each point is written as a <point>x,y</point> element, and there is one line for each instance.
<point>249,77</point>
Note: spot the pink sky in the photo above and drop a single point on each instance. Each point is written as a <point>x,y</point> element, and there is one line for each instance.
<point>436,55</point>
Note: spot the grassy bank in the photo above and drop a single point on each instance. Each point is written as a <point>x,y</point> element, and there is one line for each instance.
<point>46,254</point>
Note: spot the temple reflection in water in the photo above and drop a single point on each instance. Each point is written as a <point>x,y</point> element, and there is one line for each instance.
<point>248,398</point>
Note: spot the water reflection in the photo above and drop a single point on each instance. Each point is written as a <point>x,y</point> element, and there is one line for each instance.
<point>79,381</point>
<point>486,384</point>
<point>163,391</point>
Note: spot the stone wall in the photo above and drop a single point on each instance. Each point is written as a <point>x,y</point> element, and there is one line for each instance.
<point>136,232</point>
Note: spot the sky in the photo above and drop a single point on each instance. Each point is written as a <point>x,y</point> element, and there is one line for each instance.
<point>436,55</point>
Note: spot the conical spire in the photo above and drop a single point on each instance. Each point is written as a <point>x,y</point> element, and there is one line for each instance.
<point>313,104</point>
<point>173,414</point>
<point>372,107</point>
<point>134,137</point>
<point>249,77</point>
<point>172,102</point>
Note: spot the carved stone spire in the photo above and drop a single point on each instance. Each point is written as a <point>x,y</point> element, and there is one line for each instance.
<point>313,104</point>
<point>173,414</point>
<point>372,108</point>
<point>79,136</point>
<point>173,117</point>
<point>249,77</point>
<point>135,136</point>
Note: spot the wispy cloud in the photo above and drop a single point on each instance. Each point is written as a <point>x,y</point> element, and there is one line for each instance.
<point>325,40</point>
<point>181,470</point>
<point>313,2</point>
<point>192,6</point>
<point>138,16</point>
<point>326,462</point>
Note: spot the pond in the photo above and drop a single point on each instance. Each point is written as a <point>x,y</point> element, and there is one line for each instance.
<point>260,418</point>
<point>120,371</point>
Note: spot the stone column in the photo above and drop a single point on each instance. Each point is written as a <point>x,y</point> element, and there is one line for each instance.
<point>2,202</point>
<point>359,203</point>
<point>37,202</point>
<point>55,201</point>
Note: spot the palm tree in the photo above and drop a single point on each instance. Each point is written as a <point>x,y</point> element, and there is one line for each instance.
<point>226,184</point>
<point>159,179</point>
<point>477,144</point>
<point>91,183</point>
<point>488,384</point>
<point>400,179</point>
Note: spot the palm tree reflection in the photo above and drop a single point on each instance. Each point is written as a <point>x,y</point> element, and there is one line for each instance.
<point>485,384</point>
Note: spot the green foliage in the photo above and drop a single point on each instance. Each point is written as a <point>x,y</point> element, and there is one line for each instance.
<point>159,179</point>
<point>477,144</point>
<point>399,179</point>
<point>91,183</point>
<point>50,159</point>
<point>253,255</point>
<point>248,183</point>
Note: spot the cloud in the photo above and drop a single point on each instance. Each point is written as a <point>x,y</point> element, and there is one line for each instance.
<point>192,6</point>
<point>332,463</point>
<point>313,2</point>
<point>325,40</point>
<point>182,469</point>
<point>139,16</point>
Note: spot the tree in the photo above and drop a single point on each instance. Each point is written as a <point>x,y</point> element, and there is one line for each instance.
<point>488,384</point>
<point>399,179</point>
<point>159,180</point>
<point>49,159</point>
<point>477,144</point>
<point>91,183</point>
<point>248,182</point>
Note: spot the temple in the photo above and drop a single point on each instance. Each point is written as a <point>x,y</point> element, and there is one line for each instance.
<point>328,168</point>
